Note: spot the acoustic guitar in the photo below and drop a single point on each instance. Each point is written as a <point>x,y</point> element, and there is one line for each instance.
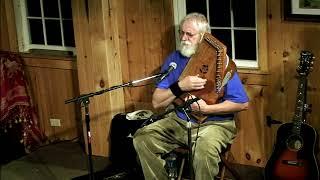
<point>294,152</point>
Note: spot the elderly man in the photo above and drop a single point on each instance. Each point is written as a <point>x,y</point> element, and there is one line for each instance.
<point>210,135</point>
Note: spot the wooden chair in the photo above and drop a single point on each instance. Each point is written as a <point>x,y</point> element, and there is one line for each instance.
<point>225,155</point>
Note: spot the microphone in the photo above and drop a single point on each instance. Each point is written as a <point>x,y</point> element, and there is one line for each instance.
<point>172,66</point>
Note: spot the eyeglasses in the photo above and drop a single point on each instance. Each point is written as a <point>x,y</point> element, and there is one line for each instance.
<point>188,34</point>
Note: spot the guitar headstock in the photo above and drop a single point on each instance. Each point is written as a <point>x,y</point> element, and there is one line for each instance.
<point>306,63</point>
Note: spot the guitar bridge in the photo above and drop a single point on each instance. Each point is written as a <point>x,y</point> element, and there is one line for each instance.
<point>292,163</point>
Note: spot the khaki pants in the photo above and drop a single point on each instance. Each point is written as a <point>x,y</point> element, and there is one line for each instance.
<point>163,136</point>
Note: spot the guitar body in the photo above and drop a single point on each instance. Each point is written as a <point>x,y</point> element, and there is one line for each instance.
<point>293,157</point>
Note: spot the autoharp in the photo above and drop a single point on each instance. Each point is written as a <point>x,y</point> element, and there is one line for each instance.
<point>210,62</point>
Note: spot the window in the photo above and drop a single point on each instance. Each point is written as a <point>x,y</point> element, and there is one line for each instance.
<point>234,23</point>
<point>44,24</point>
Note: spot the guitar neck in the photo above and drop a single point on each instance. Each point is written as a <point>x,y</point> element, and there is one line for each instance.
<point>300,112</point>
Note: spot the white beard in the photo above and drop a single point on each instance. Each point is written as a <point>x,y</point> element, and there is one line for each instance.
<point>187,49</point>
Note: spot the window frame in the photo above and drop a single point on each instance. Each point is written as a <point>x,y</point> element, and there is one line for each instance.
<point>260,63</point>
<point>23,31</point>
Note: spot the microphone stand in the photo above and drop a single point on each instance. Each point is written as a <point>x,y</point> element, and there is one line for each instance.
<point>84,100</point>
<point>186,109</point>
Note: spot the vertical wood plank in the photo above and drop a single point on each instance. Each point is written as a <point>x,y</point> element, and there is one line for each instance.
<point>8,34</point>
<point>99,65</point>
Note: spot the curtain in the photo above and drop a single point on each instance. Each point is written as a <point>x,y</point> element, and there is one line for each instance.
<point>16,104</point>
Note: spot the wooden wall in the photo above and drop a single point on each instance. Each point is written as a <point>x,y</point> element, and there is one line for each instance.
<point>286,39</point>
<point>119,41</point>
<point>251,144</point>
<point>52,80</point>
<point>8,35</point>
<point>150,35</point>
<point>100,39</point>
<point>274,92</point>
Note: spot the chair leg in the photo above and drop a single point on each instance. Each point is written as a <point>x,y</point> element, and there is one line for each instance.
<point>226,165</point>
<point>181,168</point>
<point>222,173</point>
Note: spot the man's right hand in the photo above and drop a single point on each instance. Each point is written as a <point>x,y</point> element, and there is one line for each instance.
<point>190,83</point>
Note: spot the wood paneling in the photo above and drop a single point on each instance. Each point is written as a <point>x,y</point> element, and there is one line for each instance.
<point>249,146</point>
<point>52,81</point>
<point>8,35</point>
<point>98,38</point>
<point>286,40</point>
<point>119,41</point>
<point>150,33</point>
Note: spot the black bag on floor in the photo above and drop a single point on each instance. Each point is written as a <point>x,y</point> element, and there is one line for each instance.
<point>123,154</point>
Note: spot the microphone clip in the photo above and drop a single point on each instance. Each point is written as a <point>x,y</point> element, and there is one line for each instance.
<point>186,106</point>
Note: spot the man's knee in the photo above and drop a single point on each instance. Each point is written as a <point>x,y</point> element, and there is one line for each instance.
<point>207,153</point>
<point>141,138</point>
<point>137,139</point>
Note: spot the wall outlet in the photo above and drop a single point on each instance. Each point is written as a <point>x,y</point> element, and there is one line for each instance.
<point>55,122</point>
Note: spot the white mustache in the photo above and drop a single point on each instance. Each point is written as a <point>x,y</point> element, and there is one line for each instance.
<point>185,43</point>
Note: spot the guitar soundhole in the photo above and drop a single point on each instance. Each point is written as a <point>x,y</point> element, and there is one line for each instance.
<point>294,143</point>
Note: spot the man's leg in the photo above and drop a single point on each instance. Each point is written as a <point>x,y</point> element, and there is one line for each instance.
<point>154,140</point>
<point>213,136</point>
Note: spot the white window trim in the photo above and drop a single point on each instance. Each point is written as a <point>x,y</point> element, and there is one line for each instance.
<point>180,11</point>
<point>24,39</point>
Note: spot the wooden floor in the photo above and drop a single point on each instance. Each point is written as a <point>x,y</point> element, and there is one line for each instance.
<point>67,160</point>
<point>60,161</point>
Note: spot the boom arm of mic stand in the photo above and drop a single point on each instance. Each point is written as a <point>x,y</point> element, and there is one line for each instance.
<point>128,84</point>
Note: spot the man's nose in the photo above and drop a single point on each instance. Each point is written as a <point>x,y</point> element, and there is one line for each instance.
<point>184,36</point>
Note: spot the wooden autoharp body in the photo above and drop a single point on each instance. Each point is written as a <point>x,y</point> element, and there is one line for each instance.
<point>209,62</point>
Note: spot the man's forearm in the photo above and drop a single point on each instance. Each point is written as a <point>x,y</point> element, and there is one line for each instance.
<point>162,98</point>
<point>225,108</point>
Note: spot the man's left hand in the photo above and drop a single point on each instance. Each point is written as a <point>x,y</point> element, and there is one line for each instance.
<point>199,106</point>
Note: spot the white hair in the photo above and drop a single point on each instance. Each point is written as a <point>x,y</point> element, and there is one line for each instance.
<point>200,21</point>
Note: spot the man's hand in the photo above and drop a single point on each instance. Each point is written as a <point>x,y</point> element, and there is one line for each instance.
<point>190,83</point>
<point>199,106</point>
